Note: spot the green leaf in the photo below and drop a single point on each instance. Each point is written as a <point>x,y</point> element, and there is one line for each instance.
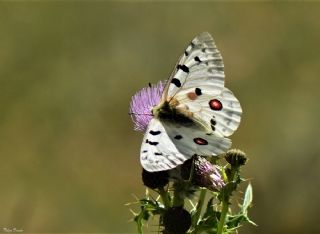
<point>234,221</point>
<point>209,221</point>
<point>247,199</point>
<point>148,208</point>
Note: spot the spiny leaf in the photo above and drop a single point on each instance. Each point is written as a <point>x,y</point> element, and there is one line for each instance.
<point>247,199</point>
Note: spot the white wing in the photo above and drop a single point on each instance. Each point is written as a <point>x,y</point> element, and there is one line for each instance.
<point>200,63</point>
<point>167,145</point>
<point>198,86</point>
<point>219,114</point>
<point>158,152</point>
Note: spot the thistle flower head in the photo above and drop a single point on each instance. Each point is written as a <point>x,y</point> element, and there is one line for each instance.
<point>156,179</point>
<point>142,103</point>
<point>236,157</point>
<point>176,220</point>
<point>205,174</point>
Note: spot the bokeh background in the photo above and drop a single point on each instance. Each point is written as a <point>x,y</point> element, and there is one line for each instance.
<point>69,155</point>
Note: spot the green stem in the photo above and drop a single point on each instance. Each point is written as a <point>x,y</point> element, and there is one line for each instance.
<point>225,201</point>
<point>165,197</point>
<point>177,201</point>
<point>140,230</point>
<point>199,208</point>
<point>225,206</point>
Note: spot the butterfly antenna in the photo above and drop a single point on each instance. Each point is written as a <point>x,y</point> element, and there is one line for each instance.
<point>131,113</point>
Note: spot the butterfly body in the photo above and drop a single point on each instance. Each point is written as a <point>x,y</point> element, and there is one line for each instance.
<point>168,112</point>
<point>196,112</point>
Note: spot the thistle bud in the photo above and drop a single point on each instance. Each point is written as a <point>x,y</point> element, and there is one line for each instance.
<point>205,174</point>
<point>155,180</point>
<point>176,220</point>
<point>236,157</point>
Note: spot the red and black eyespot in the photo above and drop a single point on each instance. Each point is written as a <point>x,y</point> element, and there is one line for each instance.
<point>200,141</point>
<point>215,104</point>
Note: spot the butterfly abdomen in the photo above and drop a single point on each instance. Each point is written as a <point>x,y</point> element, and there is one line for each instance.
<point>168,112</point>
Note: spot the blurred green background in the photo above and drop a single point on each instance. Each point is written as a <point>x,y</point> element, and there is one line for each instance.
<point>69,155</point>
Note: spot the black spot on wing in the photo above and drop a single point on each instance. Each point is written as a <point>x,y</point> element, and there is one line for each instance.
<point>178,137</point>
<point>197,59</point>
<point>154,133</point>
<point>198,91</point>
<point>145,151</point>
<point>186,53</point>
<point>183,68</point>
<point>176,82</point>
<point>156,153</point>
<point>152,142</point>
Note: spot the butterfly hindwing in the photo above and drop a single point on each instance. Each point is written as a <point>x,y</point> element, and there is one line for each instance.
<point>193,140</point>
<point>220,114</point>
<point>158,152</point>
<point>167,145</point>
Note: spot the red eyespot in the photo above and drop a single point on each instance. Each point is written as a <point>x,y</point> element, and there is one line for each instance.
<point>215,104</point>
<point>200,141</point>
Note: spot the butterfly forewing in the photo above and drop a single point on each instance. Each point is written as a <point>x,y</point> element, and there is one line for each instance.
<point>200,63</point>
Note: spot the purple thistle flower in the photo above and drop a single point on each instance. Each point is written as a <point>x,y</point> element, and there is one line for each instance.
<point>142,103</point>
<point>207,175</point>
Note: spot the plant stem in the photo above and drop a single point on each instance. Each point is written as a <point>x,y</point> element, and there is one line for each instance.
<point>165,197</point>
<point>225,206</point>
<point>177,201</point>
<point>199,208</point>
<point>140,230</point>
<point>225,200</point>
